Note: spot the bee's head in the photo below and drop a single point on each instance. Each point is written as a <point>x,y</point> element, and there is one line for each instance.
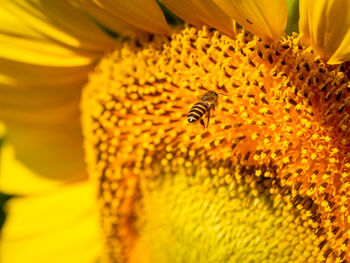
<point>213,93</point>
<point>210,95</point>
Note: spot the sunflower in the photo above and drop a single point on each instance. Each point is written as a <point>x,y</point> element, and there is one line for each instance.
<point>262,175</point>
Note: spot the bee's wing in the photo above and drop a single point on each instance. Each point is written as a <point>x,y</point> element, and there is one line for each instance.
<point>226,95</point>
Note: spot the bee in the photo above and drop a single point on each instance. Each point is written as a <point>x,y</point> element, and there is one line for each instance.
<point>206,104</point>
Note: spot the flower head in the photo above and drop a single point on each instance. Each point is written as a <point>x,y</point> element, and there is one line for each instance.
<point>272,123</point>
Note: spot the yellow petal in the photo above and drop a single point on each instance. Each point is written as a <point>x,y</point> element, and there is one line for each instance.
<point>128,16</point>
<point>10,24</point>
<point>16,178</point>
<point>42,72</point>
<point>266,19</point>
<point>41,112</point>
<point>325,26</point>
<point>46,139</point>
<point>60,21</point>
<point>2,134</point>
<point>16,77</point>
<point>40,52</point>
<point>342,54</point>
<point>54,152</point>
<point>107,19</point>
<point>204,12</point>
<point>60,226</point>
<point>55,34</point>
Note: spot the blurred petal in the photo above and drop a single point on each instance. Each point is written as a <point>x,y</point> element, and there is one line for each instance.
<point>2,134</point>
<point>342,54</point>
<point>19,173</point>
<point>126,17</point>
<point>326,27</point>
<point>293,16</point>
<point>40,52</point>
<point>45,58</point>
<point>60,226</point>
<point>60,21</point>
<point>16,76</point>
<point>16,178</point>
<point>42,119</point>
<point>266,19</point>
<point>107,19</point>
<point>204,12</point>
<point>10,24</point>
<point>55,34</point>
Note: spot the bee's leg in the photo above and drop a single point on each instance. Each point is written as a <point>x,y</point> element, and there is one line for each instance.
<point>202,123</point>
<point>208,118</point>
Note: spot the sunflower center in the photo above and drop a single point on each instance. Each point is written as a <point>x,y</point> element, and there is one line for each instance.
<point>234,181</point>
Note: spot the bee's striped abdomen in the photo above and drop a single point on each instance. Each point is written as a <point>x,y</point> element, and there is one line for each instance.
<point>197,111</point>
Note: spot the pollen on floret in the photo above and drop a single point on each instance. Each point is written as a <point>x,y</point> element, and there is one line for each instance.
<point>284,117</point>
